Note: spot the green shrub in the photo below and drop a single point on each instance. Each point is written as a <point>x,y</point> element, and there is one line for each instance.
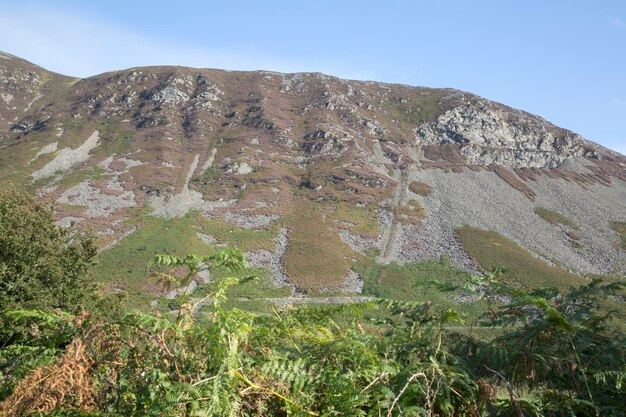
<point>42,265</point>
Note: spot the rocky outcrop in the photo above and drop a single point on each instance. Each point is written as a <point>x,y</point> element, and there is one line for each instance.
<point>490,134</point>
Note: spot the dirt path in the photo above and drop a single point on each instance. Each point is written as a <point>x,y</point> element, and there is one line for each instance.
<point>287,301</point>
<point>390,236</point>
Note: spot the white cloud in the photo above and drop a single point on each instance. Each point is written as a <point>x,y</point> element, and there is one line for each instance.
<point>78,45</point>
<point>615,22</point>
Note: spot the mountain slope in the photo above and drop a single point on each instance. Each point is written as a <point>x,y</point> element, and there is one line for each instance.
<point>309,173</point>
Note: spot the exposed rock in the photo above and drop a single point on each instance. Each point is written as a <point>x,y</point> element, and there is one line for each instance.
<point>239,168</point>
<point>170,95</point>
<point>98,203</point>
<point>353,284</point>
<point>187,200</point>
<point>286,139</point>
<point>250,221</point>
<point>493,135</point>
<point>357,242</point>
<point>272,260</point>
<point>50,148</point>
<point>68,158</point>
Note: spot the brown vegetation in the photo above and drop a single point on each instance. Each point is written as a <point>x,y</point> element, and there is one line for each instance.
<point>66,383</point>
<point>513,180</point>
<point>447,152</point>
<point>420,188</point>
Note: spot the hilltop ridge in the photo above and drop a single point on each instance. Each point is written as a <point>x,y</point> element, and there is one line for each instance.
<point>294,167</point>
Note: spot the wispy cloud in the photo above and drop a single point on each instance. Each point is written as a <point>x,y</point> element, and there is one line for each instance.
<point>616,22</point>
<point>78,45</point>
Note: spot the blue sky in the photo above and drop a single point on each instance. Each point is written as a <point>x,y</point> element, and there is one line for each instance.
<point>563,60</point>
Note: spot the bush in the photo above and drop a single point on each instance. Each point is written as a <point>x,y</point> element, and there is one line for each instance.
<point>42,265</point>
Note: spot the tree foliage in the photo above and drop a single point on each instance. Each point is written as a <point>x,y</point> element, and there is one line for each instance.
<point>42,265</point>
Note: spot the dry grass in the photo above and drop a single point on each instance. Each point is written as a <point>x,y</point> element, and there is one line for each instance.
<point>421,106</point>
<point>448,152</point>
<point>412,212</point>
<point>420,188</point>
<point>65,383</point>
<point>362,219</point>
<point>513,180</point>
<point>316,256</point>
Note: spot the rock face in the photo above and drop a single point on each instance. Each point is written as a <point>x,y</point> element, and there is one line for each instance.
<point>489,134</point>
<point>255,154</point>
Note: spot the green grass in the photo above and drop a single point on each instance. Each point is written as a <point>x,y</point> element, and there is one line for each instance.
<point>620,228</point>
<point>363,218</point>
<point>235,237</point>
<point>75,177</point>
<point>253,291</point>
<point>492,250</point>
<point>72,124</point>
<point>115,138</point>
<point>418,108</point>
<point>419,281</point>
<point>262,287</point>
<point>126,264</point>
<point>554,217</point>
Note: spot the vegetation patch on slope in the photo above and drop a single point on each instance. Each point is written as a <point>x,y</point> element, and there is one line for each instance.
<point>316,258</point>
<point>434,281</point>
<point>125,265</point>
<point>412,212</point>
<point>420,188</point>
<point>362,219</point>
<point>492,250</point>
<point>419,108</point>
<point>620,228</point>
<point>554,217</point>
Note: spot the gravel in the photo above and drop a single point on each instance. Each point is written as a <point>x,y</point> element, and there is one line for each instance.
<point>357,242</point>
<point>98,204</point>
<point>50,148</point>
<point>208,239</point>
<point>272,260</point>
<point>187,200</point>
<point>67,158</point>
<point>353,284</point>
<point>483,200</point>
<point>250,221</point>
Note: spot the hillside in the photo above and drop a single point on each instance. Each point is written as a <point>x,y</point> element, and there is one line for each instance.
<point>322,181</point>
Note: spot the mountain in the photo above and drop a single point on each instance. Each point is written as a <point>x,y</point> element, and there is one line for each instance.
<point>323,182</point>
